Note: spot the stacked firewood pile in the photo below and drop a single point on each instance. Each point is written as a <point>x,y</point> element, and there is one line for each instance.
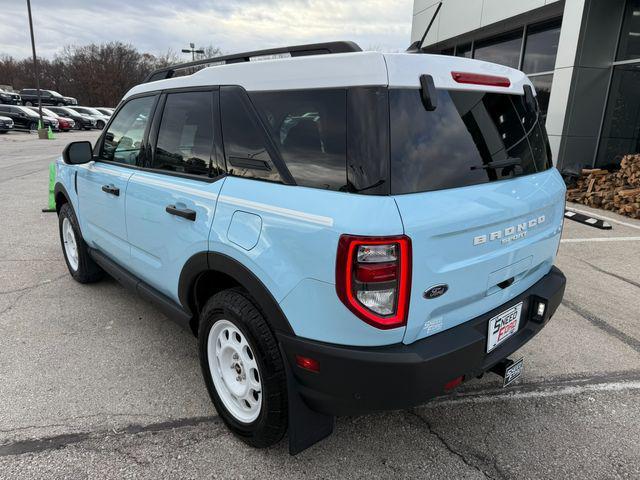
<point>616,191</point>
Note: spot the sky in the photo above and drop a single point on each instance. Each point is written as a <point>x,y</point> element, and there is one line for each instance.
<point>155,26</point>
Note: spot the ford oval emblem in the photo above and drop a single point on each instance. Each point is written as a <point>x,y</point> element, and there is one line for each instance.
<point>436,291</point>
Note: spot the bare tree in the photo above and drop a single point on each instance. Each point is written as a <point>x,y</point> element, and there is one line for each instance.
<point>94,74</point>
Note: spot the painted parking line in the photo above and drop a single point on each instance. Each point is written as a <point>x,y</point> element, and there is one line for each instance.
<point>601,239</point>
<point>541,393</point>
<point>609,219</point>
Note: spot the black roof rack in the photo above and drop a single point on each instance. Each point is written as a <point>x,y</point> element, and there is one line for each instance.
<point>294,51</point>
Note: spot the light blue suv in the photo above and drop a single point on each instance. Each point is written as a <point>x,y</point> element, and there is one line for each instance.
<point>344,231</point>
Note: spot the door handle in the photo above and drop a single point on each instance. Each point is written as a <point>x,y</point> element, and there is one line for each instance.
<point>181,212</point>
<point>111,189</point>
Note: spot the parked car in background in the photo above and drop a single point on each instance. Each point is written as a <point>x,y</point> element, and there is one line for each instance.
<point>6,124</point>
<point>47,97</point>
<point>65,123</point>
<point>52,117</point>
<point>24,118</point>
<point>71,100</point>
<point>105,110</point>
<point>100,118</point>
<point>10,98</point>
<point>81,121</point>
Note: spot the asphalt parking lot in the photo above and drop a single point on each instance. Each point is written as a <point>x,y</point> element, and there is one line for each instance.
<point>95,382</point>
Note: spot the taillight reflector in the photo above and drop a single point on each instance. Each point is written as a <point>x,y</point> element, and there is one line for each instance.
<point>481,79</point>
<point>365,285</point>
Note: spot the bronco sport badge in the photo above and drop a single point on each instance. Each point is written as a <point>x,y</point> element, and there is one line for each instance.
<point>510,234</point>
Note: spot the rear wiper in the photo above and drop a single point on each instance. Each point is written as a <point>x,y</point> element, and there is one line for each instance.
<point>507,162</point>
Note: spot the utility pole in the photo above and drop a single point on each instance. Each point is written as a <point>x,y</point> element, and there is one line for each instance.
<point>35,64</point>
<point>192,51</point>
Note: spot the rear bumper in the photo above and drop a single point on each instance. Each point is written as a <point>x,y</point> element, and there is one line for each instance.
<point>356,380</point>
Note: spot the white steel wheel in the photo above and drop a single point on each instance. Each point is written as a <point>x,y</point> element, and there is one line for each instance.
<point>234,371</point>
<point>70,244</point>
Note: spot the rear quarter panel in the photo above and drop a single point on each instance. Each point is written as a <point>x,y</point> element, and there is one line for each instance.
<point>294,253</point>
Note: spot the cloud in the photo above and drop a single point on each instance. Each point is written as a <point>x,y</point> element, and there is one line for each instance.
<point>155,26</point>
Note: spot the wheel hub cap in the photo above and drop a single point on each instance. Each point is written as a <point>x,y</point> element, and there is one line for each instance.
<point>234,371</point>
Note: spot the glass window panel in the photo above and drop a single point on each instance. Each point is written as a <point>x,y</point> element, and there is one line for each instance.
<point>245,143</point>
<point>630,35</point>
<point>123,140</point>
<point>621,129</point>
<point>308,127</point>
<point>185,138</point>
<point>464,50</point>
<point>454,145</point>
<point>542,83</point>
<point>541,48</point>
<point>504,50</point>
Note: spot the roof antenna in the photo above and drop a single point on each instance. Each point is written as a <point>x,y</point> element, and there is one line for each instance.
<point>416,47</point>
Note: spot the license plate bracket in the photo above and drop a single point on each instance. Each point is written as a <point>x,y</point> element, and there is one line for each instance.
<point>503,326</point>
<point>513,372</point>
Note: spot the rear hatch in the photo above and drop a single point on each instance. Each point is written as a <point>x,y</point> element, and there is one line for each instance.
<point>479,199</point>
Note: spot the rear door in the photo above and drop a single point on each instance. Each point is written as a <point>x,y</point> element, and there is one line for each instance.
<point>172,198</point>
<point>102,184</point>
<point>477,194</point>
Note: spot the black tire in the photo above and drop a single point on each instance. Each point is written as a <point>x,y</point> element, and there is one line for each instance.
<point>33,126</point>
<point>237,307</point>
<point>100,124</point>
<point>88,271</point>
<point>60,104</point>
<point>28,104</point>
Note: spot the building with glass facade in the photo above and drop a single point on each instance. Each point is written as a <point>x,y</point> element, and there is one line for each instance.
<point>583,56</point>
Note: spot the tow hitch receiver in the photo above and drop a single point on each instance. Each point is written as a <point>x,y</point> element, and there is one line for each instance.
<point>509,370</point>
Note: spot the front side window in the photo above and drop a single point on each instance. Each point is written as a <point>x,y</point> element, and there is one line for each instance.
<point>308,127</point>
<point>123,141</point>
<point>185,138</point>
<point>471,138</point>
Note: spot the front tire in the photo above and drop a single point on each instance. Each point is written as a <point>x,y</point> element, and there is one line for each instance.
<point>100,124</point>
<point>28,104</point>
<point>243,368</point>
<point>76,254</point>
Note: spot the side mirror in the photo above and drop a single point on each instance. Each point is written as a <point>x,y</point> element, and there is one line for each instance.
<point>77,153</point>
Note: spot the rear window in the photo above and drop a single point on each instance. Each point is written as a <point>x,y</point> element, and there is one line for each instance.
<point>470,138</point>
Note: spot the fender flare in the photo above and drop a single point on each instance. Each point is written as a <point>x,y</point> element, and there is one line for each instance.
<point>59,188</point>
<point>218,262</point>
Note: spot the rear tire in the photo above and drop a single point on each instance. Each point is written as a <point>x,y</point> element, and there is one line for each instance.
<point>76,254</point>
<point>243,368</point>
<point>28,104</point>
<point>33,126</point>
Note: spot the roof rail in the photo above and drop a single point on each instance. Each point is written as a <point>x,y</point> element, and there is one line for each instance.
<point>293,51</point>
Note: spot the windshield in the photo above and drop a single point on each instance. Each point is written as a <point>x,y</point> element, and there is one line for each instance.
<point>29,112</point>
<point>469,139</point>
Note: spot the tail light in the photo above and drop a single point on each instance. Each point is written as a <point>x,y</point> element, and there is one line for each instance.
<point>373,278</point>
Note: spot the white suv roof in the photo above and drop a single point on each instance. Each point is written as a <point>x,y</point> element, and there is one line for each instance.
<point>400,70</point>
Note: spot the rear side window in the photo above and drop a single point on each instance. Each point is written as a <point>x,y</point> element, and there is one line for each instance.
<point>185,138</point>
<point>245,143</point>
<point>471,138</point>
<point>308,127</point>
<point>123,141</point>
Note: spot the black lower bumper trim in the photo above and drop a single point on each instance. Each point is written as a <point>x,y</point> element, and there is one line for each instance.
<point>355,380</point>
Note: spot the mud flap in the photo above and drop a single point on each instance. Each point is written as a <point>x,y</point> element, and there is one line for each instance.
<point>306,426</point>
